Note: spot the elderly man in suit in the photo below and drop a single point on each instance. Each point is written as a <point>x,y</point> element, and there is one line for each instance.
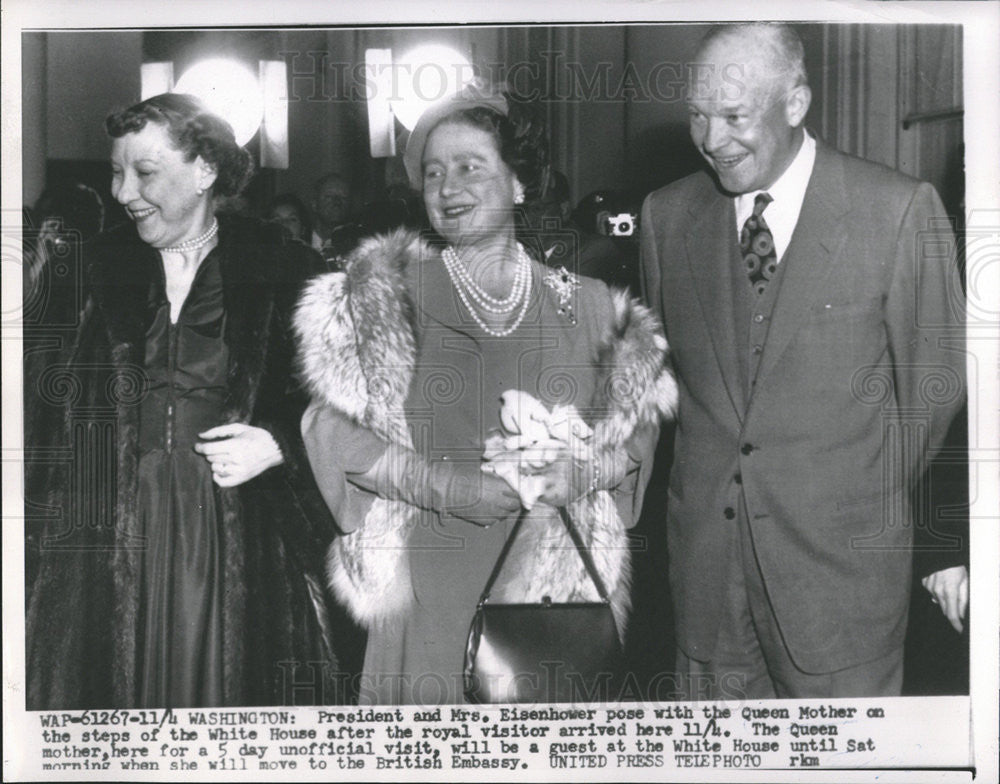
<point>818,344</point>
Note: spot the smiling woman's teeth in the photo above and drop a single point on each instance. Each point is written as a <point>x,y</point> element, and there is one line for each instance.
<point>140,214</point>
<point>453,212</point>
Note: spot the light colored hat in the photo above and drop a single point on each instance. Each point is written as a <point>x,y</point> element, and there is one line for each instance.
<point>473,95</point>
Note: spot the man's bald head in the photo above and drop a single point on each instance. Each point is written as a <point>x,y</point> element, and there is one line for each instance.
<point>768,57</point>
<point>747,100</point>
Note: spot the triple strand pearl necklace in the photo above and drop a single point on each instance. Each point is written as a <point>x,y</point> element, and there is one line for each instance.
<point>468,289</point>
<point>195,243</point>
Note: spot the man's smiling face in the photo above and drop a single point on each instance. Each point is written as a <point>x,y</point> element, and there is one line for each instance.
<point>744,121</point>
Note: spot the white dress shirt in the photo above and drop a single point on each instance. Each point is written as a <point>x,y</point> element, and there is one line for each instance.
<point>787,193</point>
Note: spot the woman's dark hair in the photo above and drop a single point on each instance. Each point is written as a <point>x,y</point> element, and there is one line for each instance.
<point>195,131</point>
<point>293,201</point>
<point>521,138</point>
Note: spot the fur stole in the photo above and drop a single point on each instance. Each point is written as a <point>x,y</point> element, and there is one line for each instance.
<point>357,349</point>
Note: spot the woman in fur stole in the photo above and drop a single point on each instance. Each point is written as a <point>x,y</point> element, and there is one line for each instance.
<point>177,563</point>
<point>407,355</point>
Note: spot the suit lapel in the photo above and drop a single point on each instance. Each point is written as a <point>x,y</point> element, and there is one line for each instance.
<point>709,254</point>
<point>811,255</point>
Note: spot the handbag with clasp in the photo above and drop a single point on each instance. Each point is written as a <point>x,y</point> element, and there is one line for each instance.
<point>543,651</point>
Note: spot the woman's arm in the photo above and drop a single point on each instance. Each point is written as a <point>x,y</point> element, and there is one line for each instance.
<point>629,492</point>
<point>345,455</point>
<point>336,447</point>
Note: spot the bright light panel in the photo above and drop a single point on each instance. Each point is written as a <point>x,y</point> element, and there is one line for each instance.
<point>381,126</point>
<point>156,79</point>
<point>426,75</point>
<point>274,128</point>
<point>229,89</point>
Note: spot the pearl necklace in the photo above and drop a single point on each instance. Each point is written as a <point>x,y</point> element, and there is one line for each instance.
<point>499,306</point>
<point>194,244</point>
<point>519,294</point>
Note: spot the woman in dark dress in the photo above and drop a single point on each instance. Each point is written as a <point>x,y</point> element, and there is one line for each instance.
<point>187,574</point>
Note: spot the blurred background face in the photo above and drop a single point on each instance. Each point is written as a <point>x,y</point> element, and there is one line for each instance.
<point>333,203</point>
<point>468,189</point>
<point>157,187</point>
<point>289,217</point>
<point>738,117</point>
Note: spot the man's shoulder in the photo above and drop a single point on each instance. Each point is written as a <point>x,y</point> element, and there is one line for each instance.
<point>864,178</point>
<point>693,188</point>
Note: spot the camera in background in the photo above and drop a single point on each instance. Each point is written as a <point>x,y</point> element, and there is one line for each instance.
<point>609,213</point>
<point>621,225</point>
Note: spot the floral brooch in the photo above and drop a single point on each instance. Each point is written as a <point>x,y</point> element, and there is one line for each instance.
<point>563,283</point>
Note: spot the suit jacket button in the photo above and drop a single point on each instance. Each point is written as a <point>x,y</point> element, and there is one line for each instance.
<point>746,449</point>
<point>738,478</point>
<point>730,513</point>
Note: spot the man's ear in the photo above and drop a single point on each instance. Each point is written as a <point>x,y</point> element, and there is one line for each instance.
<point>797,104</point>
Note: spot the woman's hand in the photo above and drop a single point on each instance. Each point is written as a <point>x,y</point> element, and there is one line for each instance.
<point>573,474</point>
<point>238,452</point>
<point>565,479</point>
<point>550,475</point>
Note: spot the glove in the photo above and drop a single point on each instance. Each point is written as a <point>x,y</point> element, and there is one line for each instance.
<point>456,488</point>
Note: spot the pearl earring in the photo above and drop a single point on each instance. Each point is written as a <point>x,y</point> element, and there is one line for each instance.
<point>519,194</point>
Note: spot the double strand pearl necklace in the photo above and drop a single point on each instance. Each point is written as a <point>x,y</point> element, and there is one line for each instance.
<point>468,290</point>
<point>197,242</point>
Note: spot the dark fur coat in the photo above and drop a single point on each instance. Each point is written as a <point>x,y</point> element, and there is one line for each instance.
<point>81,439</point>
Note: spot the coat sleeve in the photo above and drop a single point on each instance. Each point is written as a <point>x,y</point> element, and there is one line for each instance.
<point>629,493</point>
<point>281,399</point>
<point>335,447</point>
<point>649,261</point>
<point>925,324</point>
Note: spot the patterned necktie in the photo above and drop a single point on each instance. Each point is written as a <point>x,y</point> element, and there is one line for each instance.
<point>757,246</point>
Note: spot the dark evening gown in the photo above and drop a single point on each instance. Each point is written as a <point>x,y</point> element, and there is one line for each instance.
<point>181,634</point>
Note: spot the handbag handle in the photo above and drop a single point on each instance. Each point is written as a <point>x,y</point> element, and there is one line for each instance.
<point>581,548</point>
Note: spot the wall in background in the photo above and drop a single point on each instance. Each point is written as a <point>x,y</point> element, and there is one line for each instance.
<point>88,76</point>
<point>71,81</point>
<point>611,94</point>
<point>34,125</point>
